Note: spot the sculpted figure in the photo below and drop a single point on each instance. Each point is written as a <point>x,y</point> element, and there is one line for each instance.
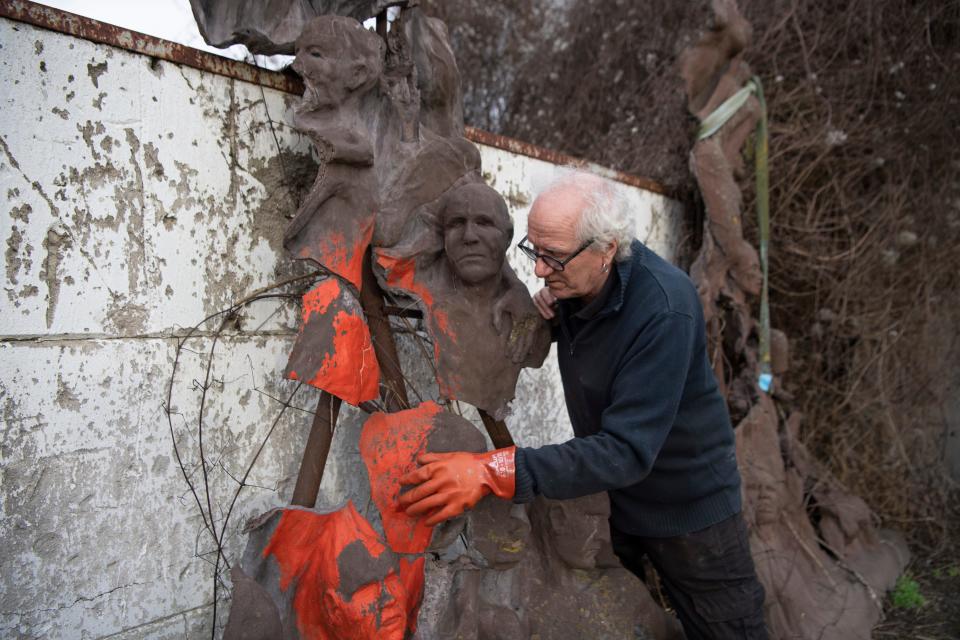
<point>540,576</point>
<point>341,63</point>
<point>270,27</point>
<point>727,267</point>
<point>334,351</point>
<point>808,594</point>
<point>473,301</point>
<point>576,594</point>
<point>329,576</point>
<point>846,524</point>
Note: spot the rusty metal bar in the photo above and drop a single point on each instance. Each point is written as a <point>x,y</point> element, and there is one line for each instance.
<point>555,157</point>
<point>315,454</point>
<point>394,392</point>
<point>497,430</point>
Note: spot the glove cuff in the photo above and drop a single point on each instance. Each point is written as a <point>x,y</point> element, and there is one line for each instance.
<point>502,472</point>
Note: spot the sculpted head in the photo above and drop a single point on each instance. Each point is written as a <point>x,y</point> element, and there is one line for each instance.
<point>577,529</point>
<point>579,211</point>
<point>476,230</point>
<point>337,57</point>
<point>764,486</point>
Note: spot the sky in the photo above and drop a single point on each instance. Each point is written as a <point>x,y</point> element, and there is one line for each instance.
<point>167,19</point>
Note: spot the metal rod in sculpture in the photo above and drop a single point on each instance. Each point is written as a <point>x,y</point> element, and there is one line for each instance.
<point>315,454</point>
<point>394,391</point>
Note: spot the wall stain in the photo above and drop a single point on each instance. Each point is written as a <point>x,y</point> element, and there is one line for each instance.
<point>57,241</point>
<point>151,159</point>
<point>87,131</point>
<point>286,179</point>
<point>12,254</point>
<point>95,71</point>
<point>135,245</point>
<point>66,397</point>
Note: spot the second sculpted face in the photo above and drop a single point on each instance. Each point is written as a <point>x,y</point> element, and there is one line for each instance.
<point>335,57</point>
<point>476,231</point>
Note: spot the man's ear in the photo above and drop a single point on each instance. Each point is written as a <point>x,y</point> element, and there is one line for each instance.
<point>611,251</point>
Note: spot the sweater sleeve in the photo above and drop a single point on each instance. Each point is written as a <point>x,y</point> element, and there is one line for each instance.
<point>645,397</point>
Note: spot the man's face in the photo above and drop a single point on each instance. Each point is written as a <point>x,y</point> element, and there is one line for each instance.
<point>552,230</point>
<point>474,236</point>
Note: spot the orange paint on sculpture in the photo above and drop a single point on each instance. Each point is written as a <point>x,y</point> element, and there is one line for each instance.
<point>335,355</point>
<point>319,298</point>
<point>351,371</point>
<point>389,445</point>
<point>401,274</point>
<point>336,254</point>
<point>307,546</point>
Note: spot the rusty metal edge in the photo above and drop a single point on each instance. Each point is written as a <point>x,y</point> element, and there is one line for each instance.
<point>82,27</point>
<point>555,157</point>
<point>88,29</point>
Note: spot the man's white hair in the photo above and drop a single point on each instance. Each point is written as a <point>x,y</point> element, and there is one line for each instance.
<point>606,216</point>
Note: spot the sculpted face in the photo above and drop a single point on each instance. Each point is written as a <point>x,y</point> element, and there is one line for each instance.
<point>552,230</point>
<point>764,491</point>
<point>336,56</point>
<point>476,231</point>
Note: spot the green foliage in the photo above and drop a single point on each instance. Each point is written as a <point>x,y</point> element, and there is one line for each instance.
<point>906,595</point>
<point>953,571</point>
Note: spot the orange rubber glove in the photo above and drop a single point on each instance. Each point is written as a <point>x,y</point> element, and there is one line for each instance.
<point>451,483</point>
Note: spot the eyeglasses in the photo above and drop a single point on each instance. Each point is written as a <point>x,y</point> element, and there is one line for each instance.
<point>550,261</point>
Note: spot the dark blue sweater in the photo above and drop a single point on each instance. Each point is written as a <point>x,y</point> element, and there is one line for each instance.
<point>651,425</point>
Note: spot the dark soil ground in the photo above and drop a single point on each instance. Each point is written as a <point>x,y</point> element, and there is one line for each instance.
<point>937,577</point>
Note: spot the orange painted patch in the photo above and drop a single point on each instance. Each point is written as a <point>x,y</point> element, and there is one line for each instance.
<point>389,445</point>
<point>341,255</point>
<point>306,546</point>
<point>401,274</point>
<point>319,298</point>
<point>411,576</point>
<point>351,371</point>
<point>348,368</point>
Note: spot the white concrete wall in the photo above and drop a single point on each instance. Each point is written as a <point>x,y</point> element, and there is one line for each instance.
<point>139,197</point>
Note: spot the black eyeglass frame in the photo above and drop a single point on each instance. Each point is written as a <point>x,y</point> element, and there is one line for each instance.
<point>554,263</point>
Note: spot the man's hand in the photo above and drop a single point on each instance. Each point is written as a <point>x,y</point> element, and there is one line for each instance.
<point>545,302</point>
<point>450,483</point>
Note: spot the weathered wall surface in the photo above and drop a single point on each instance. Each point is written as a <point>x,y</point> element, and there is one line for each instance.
<point>140,196</point>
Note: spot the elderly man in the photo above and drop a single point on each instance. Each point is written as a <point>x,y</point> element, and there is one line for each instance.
<point>652,428</point>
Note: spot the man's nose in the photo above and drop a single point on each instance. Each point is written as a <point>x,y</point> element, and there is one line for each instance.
<point>469,232</point>
<point>541,269</point>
